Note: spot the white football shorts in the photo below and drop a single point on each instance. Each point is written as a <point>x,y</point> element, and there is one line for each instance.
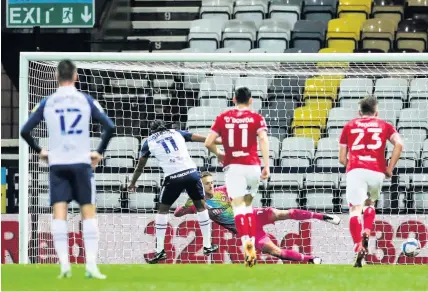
<point>362,184</point>
<point>242,180</point>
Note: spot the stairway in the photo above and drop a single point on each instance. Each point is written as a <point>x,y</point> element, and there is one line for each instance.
<point>165,23</point>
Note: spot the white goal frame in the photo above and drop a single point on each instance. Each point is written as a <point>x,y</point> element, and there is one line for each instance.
<point>27,57</point>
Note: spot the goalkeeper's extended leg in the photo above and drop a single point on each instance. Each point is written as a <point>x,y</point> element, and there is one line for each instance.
<point>297,214</point>
<point>60,237</point>
<point>90,239</point>
<point>267,246</point>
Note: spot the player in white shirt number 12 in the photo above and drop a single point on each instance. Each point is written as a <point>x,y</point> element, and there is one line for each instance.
<point>239,129</point>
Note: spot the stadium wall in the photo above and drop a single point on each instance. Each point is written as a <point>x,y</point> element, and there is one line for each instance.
<point>129,238</point>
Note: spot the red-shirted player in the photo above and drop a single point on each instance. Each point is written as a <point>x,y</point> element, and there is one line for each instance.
<point>239,129</point>
<point>362,151</point>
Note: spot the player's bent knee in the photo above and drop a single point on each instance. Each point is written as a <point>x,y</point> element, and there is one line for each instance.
<point>248,199</point>
<point>89,211</point>
<point>355,210</point>
<point>163,208</point>
<point>199,205</point>
<point>238,202</point>
<point>60,210</point>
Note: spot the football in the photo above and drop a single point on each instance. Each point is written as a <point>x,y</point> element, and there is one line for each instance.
<point>411,247</point>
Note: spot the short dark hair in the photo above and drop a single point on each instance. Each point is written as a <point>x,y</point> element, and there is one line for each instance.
<point>157,126</point>
<point>242,95</point>
<point>66,70</point>
<point>368,105</point>
<point>205,174</point>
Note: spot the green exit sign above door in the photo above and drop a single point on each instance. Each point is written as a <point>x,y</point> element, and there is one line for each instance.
<point>50,13</point>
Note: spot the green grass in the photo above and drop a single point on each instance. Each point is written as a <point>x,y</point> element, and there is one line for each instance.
<point>218,277</point>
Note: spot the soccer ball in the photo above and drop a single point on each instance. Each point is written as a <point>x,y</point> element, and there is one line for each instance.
<point>411,247</point>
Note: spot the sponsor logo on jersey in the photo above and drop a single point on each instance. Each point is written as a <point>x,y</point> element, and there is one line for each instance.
<point>239,154</point>
<point>367,125</point>
<point>239,121</point>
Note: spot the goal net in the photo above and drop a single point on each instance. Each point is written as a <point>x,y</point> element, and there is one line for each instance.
<point>306,100</point>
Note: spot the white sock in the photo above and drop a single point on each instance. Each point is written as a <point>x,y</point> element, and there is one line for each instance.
<point>161,223</point>
<point>90,239</point>
<point>205,225</point>
<point>60,238</point>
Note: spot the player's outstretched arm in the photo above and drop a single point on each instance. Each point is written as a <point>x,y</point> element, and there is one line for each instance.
<point>137,173</point>
<point>202,139</point>
<point>98,115</point>
<point>35,118</point>
<point>396,153</point>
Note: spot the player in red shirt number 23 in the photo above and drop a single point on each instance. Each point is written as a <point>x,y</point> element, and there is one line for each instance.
<point>239,129</point>
<point>362,151</point>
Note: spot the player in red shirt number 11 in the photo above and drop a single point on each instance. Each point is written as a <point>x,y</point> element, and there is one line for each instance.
<point>239,129</point>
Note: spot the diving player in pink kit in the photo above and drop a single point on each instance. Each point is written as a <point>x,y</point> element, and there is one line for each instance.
<point>220,211</point>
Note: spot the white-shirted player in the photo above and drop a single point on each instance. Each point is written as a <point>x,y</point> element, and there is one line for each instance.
<point>67,113</point>
<point>362,151</point>
<point>239,129</point>
<point>169,148</point>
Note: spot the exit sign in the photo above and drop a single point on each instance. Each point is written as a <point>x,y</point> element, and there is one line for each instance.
<point>50,13</point>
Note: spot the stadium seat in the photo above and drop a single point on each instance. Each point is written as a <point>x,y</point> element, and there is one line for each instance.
<point>239,33</point>
<point>284,189</point>
<point>320,93</point>
<point>418,94</point>
<point>274,33</point>
<point>269,50</point>
<point>198,152</point>
<point>378,34</point>
<point>141,200</point>
<point>273,150</point>
<point>320,187</point>
<point>257,85</point>
<point>287,88</point>
<point>412,34</point>
<point>390,9</point>
<point>297,152</point>
<point>368,51</point>
<point>337,118</point>
<point>309,35</point>
<point>355,88</point>
<point>413,123</point>
<point>286,10</point>
<point>327,153</point>
<point>308,122</point>
<point>217,9</point>
<point>301,50</point>
<point>424,154</point>
<point>199,117</point>
<point>355,9</point>
<point>230,50</point>
<point>344,33</point>
<point>416,9</point>
<point>149,180</point>
<point>323,10</point>
<point>122,152</point>
<point>205,34</point>
<point>251,10</point>
<point>278,115</point>
<point>410,154</point>
<point>391,88</point>
<point>216,87</point>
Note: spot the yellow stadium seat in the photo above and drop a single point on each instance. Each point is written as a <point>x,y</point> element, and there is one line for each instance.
<point>333,51</point>
<point>318,85</point>
<point>314,133</point>
<point>344,33</point>
<point>355,9</point>
<point>306,116</point>
<point>335,79</point>
<point>319,104</point>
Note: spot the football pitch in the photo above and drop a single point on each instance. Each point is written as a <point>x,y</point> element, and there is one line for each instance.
<point>192,277</point>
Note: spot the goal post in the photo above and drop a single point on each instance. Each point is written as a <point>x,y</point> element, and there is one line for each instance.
<point>302,96</point>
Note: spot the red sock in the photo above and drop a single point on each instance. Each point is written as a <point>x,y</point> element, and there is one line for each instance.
<point>369,217</point>
<point>241,225</point>
<point>355,229</point>
<point>297,214</point>
<point>251,220</point>
<point>292,255</point>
